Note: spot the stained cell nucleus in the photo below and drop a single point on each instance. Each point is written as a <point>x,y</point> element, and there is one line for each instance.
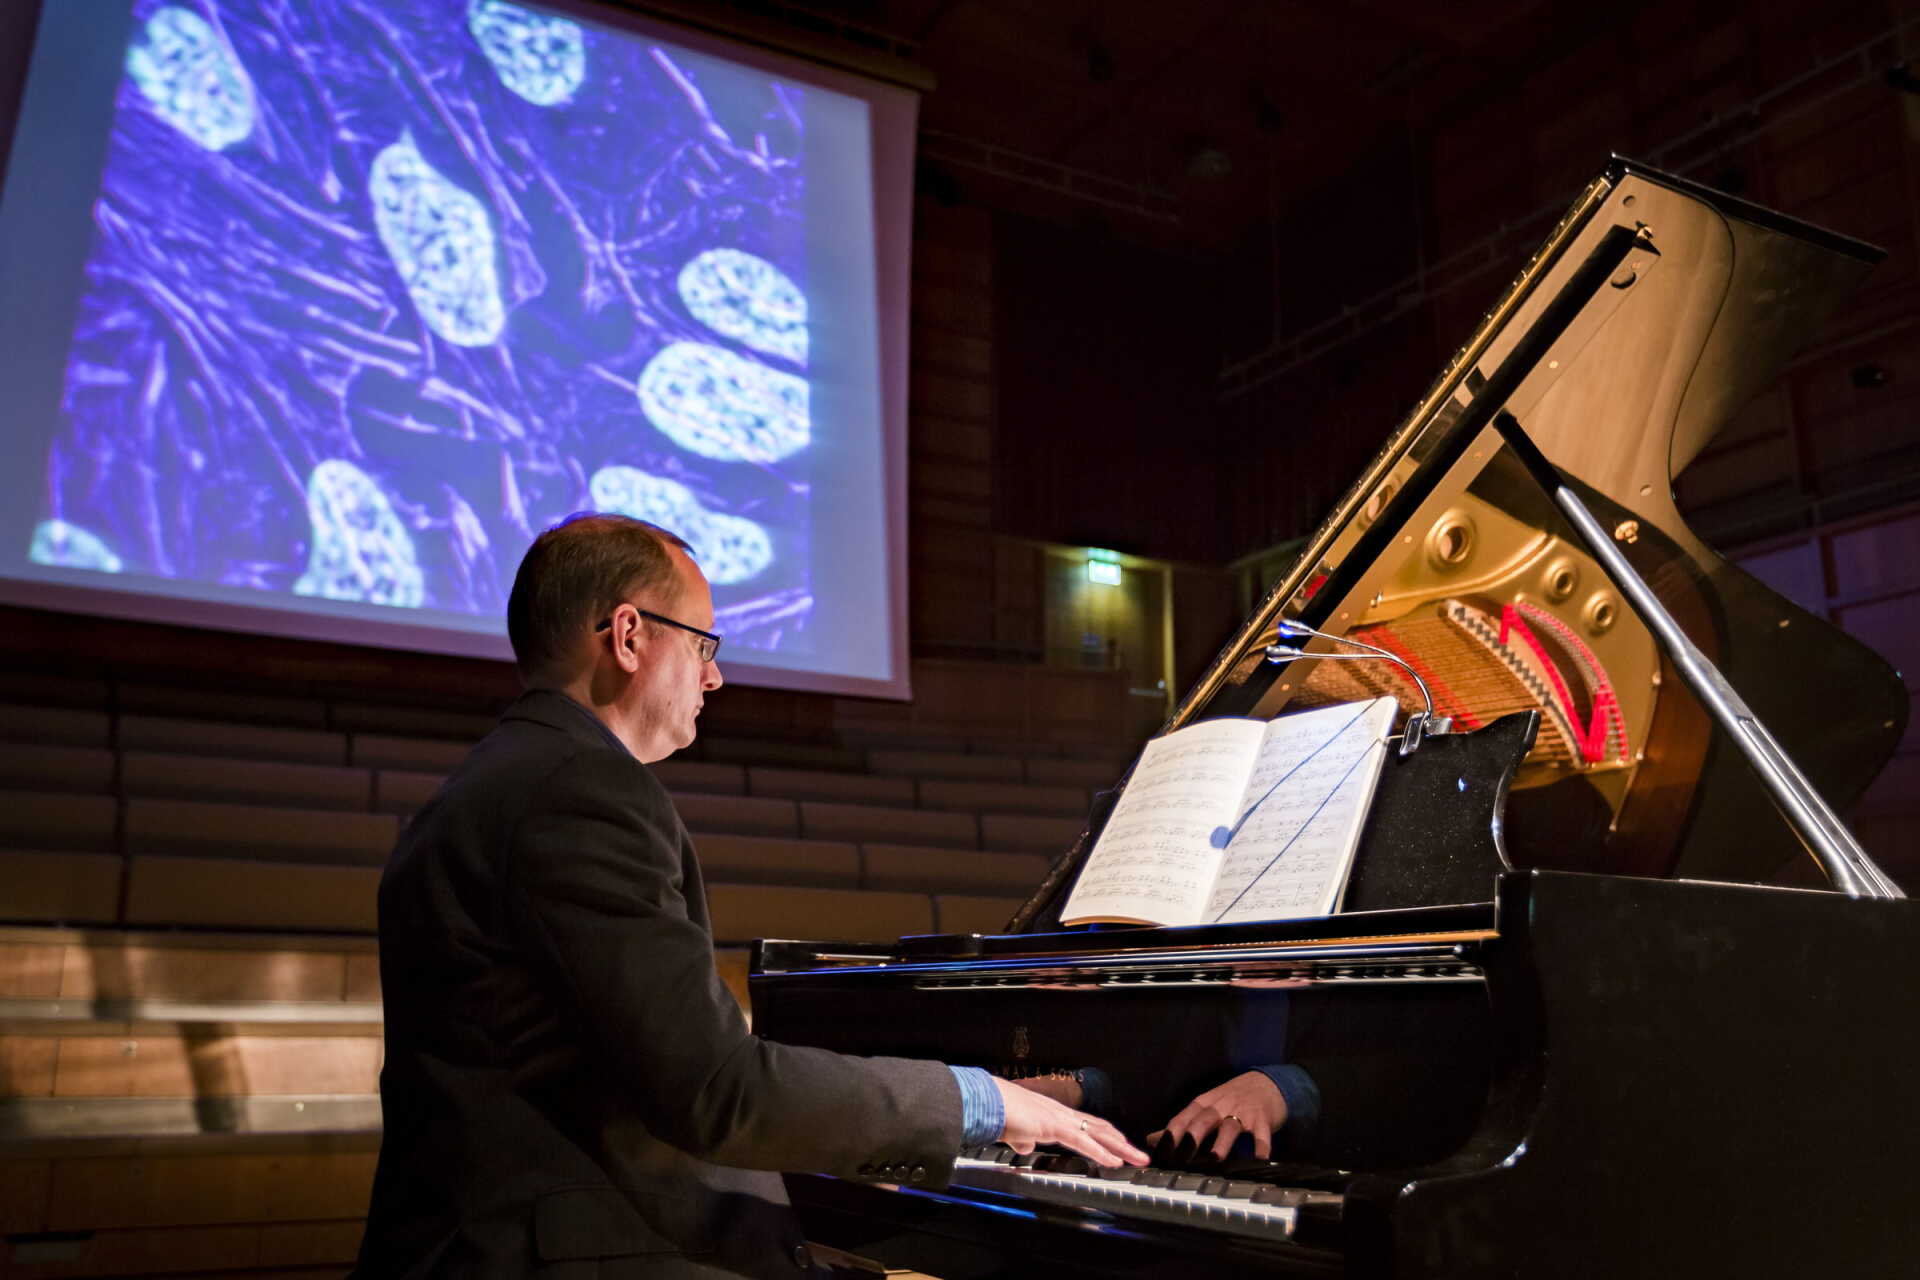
<point>541,58</point>
<point>728,548</point>
<point>748,299</point>
<point>56,542</point>
<point>441,242</point>
<point>360,549</point>
<point>720,405</point>
<point>191,78</point>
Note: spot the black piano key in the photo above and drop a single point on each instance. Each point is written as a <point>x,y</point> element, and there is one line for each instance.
<point>1188,1181</point>
<point>1184,1154</point>
<point>1284,1197</point>
<point>1121,1173</point>
<point>1028,1160</point>
<point>1003,1155</point>
<point>1075,1165</point>
<point>1151,1177</point>
<point>1237,1190</point>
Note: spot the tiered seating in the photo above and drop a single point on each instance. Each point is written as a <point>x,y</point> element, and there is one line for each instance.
<point>140,818</point>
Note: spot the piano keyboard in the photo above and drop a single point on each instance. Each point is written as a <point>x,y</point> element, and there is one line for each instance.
<point>1190,1199</point>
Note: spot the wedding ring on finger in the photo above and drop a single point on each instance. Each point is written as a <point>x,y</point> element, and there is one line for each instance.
<point>1236,1119</point>
<point>1083,1126</point>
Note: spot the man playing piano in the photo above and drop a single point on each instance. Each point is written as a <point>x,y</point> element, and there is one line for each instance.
<point>569,1088</point>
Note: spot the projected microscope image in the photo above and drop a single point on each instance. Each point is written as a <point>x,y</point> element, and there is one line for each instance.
<point>377,291</point>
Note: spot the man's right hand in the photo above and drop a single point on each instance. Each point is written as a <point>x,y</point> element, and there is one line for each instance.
<point>1033,1119</point>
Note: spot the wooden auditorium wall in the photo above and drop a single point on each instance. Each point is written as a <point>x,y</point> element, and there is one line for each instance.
<point>1061,397</point>
<point>1815,485</point>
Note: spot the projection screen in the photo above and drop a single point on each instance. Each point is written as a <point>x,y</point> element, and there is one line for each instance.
<point>314,314</point>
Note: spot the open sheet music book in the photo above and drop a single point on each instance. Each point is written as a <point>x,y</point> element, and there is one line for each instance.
<point>1238,819</point>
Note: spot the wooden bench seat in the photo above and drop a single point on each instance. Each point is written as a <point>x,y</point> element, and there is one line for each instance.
<point>777,860</point>
<point>1090,774</point>
<point>52,688</point>
<point>403,791</point>
<point>230,740</point>
<point>1033,833</point>
<point>65,726</point>
<point>738,815</point>
<point>245,893</point>
<point>57,820</point>
<point>393,751</point>
<point>822,784</point>
<point>249,1204</point>
<point>208,967</point>
<point>947,764</point>
<point>166,775</point>
<point>255,706</point>
<point>898,866</point>
<point>265,832</point>
<point>40,766</point>
<point>1002,797</point>
<point>822,820</point>
<point>793,755</point>
<point>425,722</point>
<point>743,912</point>
<point>282,1250</point>
<point>704,776</point>
<point>60,886</point>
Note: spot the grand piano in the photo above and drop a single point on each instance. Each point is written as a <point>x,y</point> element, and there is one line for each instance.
<point>1612,993</point>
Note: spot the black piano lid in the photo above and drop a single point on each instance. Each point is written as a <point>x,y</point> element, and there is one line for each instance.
<point>1654,311</point>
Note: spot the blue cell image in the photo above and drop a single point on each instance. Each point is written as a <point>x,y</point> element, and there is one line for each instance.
<point>540,58</point>
<point>191,79</point>
<point>471,260</point>
<point>720,405</point>
<point>441,243</point>
<point>55,542</point>
<point>727,548</point>
<point>360,550</point>
<point>746,298</point>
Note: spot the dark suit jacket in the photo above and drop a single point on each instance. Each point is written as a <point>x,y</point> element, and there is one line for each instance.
<point>569,1088</point>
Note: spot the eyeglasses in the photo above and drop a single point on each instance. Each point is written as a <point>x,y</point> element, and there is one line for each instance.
<point>709,642</point>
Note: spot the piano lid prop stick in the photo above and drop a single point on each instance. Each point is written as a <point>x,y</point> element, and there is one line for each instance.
<point>1847,865</point>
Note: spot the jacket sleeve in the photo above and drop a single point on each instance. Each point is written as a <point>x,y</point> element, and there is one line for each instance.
<point>592,887</point>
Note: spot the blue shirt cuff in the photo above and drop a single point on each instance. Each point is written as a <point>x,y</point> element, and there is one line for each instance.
<point>983,1116</point>
<point>1301,1093</point>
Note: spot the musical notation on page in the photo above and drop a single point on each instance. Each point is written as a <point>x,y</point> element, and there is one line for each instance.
<point>1238,820</point>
